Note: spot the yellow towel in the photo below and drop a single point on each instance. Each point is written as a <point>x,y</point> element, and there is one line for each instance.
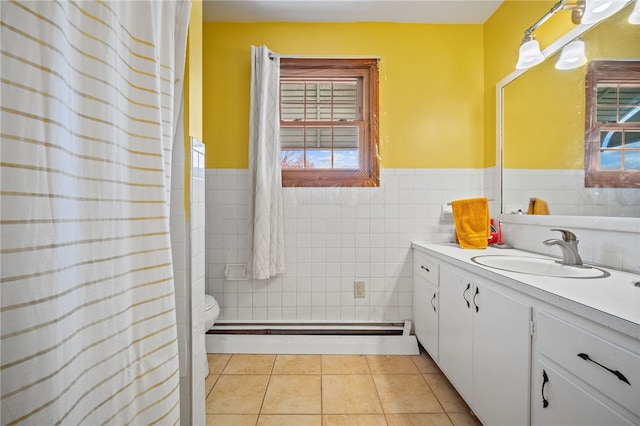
<point>538,206</point>
<point>471,217</point>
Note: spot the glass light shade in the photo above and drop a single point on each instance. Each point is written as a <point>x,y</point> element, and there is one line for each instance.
<point>572,56</point>
<point>597,10</point>
<point>634,18</point>
<point>530,55</point>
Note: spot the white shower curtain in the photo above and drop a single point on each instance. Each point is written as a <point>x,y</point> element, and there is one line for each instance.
<point>266,214</point>
<point>90,92</point>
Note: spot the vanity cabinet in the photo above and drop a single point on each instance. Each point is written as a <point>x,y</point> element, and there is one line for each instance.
<point>426,302</point>
<point>583,375</point>
<point>485,346</point>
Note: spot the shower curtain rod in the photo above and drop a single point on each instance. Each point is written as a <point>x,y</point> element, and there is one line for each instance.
<point>276,55</point>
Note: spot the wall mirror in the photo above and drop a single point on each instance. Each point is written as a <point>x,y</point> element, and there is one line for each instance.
<point>541,145</point>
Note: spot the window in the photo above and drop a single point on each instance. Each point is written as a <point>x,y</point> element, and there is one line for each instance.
<point>329,122</point>
<point>612,131</point>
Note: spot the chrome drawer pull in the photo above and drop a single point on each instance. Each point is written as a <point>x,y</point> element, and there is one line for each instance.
<point>426,269</point>
<point>618,374</point>
<point>432,304</point>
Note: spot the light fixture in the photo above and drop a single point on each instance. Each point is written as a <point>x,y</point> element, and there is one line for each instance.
<point>583,12</point>
<point>572,56</point>
<point>530,54</point>
<point>634,18</point>
<point>597,10</point>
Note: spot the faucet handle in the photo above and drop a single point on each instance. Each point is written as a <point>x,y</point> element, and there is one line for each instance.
<point>567,236</point>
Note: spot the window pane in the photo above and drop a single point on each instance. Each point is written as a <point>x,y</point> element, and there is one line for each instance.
<point>607,115</point>
<point>291,137</point>
<point>630,114</point>
<point>345,101</point>
<point>632,160</point>
<point>324,92</point>
<point>610,139</point>
<point>312,92</point>
<point>632,151</point>
<point>345,137</point>
<point>318,112</point>
<point>346,159</point>
<point>319,158</point>
<point>607,95</point>
<point>611,159</point>
<point>629,95</point>
<point>318,137</point>
<point>292,159</point>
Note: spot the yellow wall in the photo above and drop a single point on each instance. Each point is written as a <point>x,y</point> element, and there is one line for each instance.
<point>431,86</point>
<point>193,94</point>
<point>503,33</point>
<point>193,110</point>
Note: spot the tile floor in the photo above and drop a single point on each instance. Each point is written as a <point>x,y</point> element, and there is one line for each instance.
<point>301,390</point>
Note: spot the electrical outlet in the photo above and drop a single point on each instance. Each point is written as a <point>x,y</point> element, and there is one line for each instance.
<point>358,289</point>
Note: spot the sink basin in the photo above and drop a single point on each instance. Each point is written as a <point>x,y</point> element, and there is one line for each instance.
<point>538,266</point>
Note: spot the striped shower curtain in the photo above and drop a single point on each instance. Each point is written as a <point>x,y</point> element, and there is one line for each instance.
<point>90,96</point>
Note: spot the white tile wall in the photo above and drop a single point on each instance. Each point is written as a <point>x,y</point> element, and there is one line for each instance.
<point>199,364</point>
<point>613,242</point>
<point>564,191</point>
<point>333,237</point>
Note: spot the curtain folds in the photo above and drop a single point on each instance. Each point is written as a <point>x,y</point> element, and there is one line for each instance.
<point>88,323</point>
<point>266,213</point>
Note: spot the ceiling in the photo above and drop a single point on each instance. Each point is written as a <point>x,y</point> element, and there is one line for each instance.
<point>410,11</point>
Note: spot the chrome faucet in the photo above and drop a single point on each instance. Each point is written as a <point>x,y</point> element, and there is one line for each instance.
<point>569,246</point>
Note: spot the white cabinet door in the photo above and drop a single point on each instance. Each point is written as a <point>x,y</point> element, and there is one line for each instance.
<point>501,353</point>
<point>558,400</point>
<point>425,315</point>
<point>455,348</point>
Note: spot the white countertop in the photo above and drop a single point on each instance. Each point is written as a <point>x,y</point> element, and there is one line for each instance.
<point>612,301</point>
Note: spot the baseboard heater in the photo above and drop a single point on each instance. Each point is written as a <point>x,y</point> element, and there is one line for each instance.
<point>311,337</point>
<point>314,329</point>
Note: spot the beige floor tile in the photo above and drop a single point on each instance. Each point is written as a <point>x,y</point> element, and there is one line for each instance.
<point>353,420</point>
<point>297,364</point>
<point>209,382</point>
<point>237,394</point>
<point>231,419</point>
<point>406,393</point>
<point>344,364</point>
<point>290,420</point>
<point>349,394</point>
<point>447,395</point>
<point>217,362</point>
<point>425,364</point>
<point>391,364</point>
<point>250,364</point>
<point>437,419</point>
<point>464,419</point>
<point>293,394</point>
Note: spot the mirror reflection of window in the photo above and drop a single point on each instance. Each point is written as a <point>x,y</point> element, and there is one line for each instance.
<point>612,154</point>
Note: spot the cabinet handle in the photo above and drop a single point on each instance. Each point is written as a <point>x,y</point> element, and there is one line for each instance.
<point>425,268</point>
<point>618,374</point>
<point>432,304</point>
<point>464,294</point>
<point>474,299</point>
<point>545,380</point>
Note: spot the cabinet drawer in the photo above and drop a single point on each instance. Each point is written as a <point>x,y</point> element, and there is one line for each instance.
<point>602,364</point>
<point>425,266</point>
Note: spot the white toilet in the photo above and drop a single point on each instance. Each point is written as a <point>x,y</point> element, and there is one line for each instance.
<point>211,311</point>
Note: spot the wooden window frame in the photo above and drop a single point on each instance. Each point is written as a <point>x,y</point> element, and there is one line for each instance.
<point>616,72</point>
<point>366,70</point>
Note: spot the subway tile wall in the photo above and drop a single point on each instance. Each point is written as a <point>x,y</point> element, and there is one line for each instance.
<point>333,237</point>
